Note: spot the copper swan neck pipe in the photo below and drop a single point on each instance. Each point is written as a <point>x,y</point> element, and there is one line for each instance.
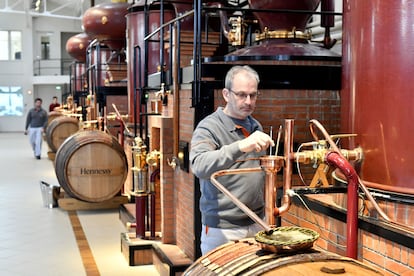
<point>234,199</point>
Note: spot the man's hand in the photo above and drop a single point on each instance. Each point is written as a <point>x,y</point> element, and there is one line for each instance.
<point>257,141</point>
<point>25,132</point>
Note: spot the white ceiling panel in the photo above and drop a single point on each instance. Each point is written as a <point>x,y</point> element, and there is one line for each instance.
<point>53,8</point>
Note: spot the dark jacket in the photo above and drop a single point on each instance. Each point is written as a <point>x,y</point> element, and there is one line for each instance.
<point>36,118</point>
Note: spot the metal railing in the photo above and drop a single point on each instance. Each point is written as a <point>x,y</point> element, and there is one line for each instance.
<point>51,67</point>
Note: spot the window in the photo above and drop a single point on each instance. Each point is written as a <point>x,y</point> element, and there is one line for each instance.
<point>10,45</point>
<point>11,101</point>
<point>45,47</point>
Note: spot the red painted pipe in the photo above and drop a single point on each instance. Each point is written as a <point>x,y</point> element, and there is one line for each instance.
<point>335,159</point>
<point>140,208</point>
<point>327,20</point>
<point>152,203</point>
<point>152,211</point>
<point>121,141</point>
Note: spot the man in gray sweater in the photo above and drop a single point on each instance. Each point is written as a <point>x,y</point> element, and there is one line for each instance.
<point>36,122</point>
<point>230,138</point>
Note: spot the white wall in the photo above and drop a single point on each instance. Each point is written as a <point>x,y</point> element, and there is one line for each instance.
<point>20,72</point>
<point>17,72</point>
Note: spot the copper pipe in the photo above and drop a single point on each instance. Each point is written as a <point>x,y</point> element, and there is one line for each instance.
<point>121,132</point>
<point>119,117</point>
<point>234,199</point>
<point>325,134</point>
<point>279,133</point>
<point>104,121</point>
<point>287,169</point>
<point>401,190</point>
<point>271,165</point>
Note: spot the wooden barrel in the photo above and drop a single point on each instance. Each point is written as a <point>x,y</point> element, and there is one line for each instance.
<point>245,257</point>
<point>91,166</point>
<point>53,115</point>
<point>59,129</point>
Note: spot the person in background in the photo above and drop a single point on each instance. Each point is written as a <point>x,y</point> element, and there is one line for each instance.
<point>54,104</point>
<point>36,122</point>
<point>230,138</point>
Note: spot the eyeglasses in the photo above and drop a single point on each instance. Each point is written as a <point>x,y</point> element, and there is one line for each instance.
<point>243,95</point>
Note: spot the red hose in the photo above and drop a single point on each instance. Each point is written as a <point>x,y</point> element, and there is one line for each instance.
<point>336,160</point>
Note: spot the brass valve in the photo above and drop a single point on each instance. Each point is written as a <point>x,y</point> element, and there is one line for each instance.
<point>162,94</point>
<point>237,31</point>
<point>174,163</point>
<point>153,157</point>
<point>114,116</point>
<point>140,153</point>
<point>318,155</point>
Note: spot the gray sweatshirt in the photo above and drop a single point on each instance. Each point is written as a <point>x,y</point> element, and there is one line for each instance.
<point>36,118</point>
<point>214,147</point>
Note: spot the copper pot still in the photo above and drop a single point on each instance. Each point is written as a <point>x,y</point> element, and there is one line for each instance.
<point>142,60</point>
<point>376,95</point>
<point>283,33</point>
<point>283,21</point>
<point>187,23</point>
<point>76,46</point>
<point>99,55</point>
<point>78,78</point>
<point>107,23</point>
<point>181,7</point>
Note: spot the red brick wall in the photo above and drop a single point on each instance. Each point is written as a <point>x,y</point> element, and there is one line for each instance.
<point>185,181</point>
<point>274,106</point>
<point>161,130</point>
<point>389,257</point>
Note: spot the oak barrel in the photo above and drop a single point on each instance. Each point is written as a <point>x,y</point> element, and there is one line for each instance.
<point>245,257</point>
<point>59,129</point>
<point>53,115</point>
<point>91,166</point>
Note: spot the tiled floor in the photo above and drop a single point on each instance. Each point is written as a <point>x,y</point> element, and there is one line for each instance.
<point>35,240</point>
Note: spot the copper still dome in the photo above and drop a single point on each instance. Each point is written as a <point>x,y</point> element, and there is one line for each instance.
<point>283,21</point>
<point>107,23</point>
<point>76,46</point>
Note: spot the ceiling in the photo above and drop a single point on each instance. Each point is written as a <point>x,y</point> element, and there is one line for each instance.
<point>53,8</point>
<point>66,8</point>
